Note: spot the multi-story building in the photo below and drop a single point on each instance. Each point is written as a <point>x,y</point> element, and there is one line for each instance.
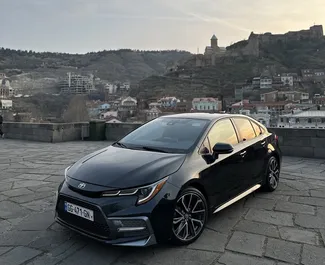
<point>312,119</point>
<point>274,96</point>
<point>168,102</point>
<point>269,96</point>
<point>77,84</point>
<point>287,80</point>
<point>207,104</point>
<point>6,91</point>
<point>266,82</point>
<point>313,74</point>
<point>152,113</point>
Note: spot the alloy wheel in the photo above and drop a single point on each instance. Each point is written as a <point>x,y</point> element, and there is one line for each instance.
<point>189,216</point>
<point>274,173</point>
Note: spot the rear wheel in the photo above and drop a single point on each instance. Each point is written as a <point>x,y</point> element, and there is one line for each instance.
<point>272,175</point>
<point>190,216</point>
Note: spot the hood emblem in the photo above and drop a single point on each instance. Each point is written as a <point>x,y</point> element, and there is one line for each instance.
<point>81,185</point>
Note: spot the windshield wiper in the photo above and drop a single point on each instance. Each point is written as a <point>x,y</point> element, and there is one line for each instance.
<point>120,144</point>
<point>153,149</point>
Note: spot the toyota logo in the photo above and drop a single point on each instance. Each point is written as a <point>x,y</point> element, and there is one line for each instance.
<point>81,185</point>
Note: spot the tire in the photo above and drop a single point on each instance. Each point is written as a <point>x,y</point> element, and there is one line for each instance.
<point>190,217</point>
<point>272,175</point>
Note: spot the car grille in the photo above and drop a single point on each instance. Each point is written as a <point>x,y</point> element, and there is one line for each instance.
<point>99,227</point>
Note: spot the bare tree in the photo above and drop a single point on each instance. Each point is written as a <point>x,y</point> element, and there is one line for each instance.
<point>77,110</point>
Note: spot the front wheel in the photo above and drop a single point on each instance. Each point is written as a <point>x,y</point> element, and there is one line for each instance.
<point>190,217</point>
<point>272,175</point>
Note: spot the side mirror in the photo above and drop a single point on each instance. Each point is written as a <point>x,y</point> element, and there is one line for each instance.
<point>222,148</point>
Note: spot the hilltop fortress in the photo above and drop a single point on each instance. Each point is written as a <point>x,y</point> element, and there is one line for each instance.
<point>251,47</point>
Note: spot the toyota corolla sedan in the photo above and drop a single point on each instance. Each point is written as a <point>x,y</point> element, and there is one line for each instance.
<point>162,181</point>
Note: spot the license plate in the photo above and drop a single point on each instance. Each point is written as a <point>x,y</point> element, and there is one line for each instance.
<point>79,211</point>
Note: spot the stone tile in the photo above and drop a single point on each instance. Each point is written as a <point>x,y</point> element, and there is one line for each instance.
<point>11,210</point>
<point>4,250</point>
<point>322,232</point>
<point>17,192</point>
<point>210,240</point>
<point>33,176</point>
<point>272,196</point>
<point>270,217</point>
<point>309,221</point>
<point>18,238</point>
<point>317,193</point>
<point>309,200</point>
<point>19,255</point>
<point>313,255</point>
<point>163,256</point>
<point>48,240</point>
<point>40,205</point>
<point>283,250</point>
<point>4,186</point>
<point>36,222</point>
<point>260,203</point>
<point>3,197</point>
<point>246,243</point>
<point>93,254</point>
<point>4,226</point>
<point>229,258</point>
<point>292,192</point>
<point>32,197</point>
<point>290,207</point>
<point>258,228</point>
<point>28,183</point>
<point>298,235</point>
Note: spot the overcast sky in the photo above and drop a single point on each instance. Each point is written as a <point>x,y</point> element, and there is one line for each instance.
<point>80,26</point>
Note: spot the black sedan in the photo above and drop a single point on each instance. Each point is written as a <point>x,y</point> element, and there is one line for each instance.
<point>161,182</point>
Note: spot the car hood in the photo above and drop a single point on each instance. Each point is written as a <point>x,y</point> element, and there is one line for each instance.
<point>115,167</point>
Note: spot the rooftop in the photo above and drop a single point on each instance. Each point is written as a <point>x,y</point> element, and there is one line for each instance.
<point>285,226</point>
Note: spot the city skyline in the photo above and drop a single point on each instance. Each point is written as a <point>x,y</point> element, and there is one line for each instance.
<point>80,26</point>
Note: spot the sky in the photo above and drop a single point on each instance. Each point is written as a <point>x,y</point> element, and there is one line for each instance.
<point>80,26</point>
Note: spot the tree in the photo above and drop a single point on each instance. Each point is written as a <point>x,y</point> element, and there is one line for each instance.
<point>77,110</point>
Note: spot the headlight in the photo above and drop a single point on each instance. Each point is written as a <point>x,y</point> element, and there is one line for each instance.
<point>144,194</point>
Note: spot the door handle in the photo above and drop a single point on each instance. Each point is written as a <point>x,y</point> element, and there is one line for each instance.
<point>263,143</point>
<point>243,153</point>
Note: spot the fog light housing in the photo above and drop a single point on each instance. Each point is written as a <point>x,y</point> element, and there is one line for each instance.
<point>131,228</point>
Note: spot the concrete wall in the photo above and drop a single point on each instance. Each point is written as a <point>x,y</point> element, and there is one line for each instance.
<point>301,142</point>
<point>45,132</point>
<point>115,131</point>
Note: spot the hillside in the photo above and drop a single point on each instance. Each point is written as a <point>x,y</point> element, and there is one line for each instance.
<point>39,71</point>
<point>231,71</point>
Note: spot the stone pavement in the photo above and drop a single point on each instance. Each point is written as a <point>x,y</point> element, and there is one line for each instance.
<point>285,227</point>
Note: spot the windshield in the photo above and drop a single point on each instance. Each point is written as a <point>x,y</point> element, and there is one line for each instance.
<point>169,134</point>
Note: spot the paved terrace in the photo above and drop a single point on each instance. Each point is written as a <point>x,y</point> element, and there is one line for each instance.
<point>286,227</point>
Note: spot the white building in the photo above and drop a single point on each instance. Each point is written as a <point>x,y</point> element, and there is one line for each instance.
<point>287,80</point>
<point>266,82</point>
<point>153,113</point>
<point>261,117</point>
<point>5,104</point>
<point>312,119</point>
<point>112,88</point>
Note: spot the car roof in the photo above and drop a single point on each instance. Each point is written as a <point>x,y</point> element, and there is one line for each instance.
<point>204,116</point>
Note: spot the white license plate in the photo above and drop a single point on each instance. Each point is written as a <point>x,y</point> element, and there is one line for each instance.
<point>79,211</point>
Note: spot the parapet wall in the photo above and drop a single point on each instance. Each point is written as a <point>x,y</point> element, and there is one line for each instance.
<point>308,143</point>
<point>45,132</point>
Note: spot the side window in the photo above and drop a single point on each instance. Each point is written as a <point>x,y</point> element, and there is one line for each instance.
<point>245,129</point>
<point>223,132</point>
<point>257,129</point>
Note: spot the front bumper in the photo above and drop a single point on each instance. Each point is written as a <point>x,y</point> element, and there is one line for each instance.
<point>123,231</point>
<point>118,221</point>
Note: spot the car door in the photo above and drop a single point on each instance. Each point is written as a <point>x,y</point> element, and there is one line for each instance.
<point>222,175</point>
<point>247,137</point>
<point>261,150</point>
